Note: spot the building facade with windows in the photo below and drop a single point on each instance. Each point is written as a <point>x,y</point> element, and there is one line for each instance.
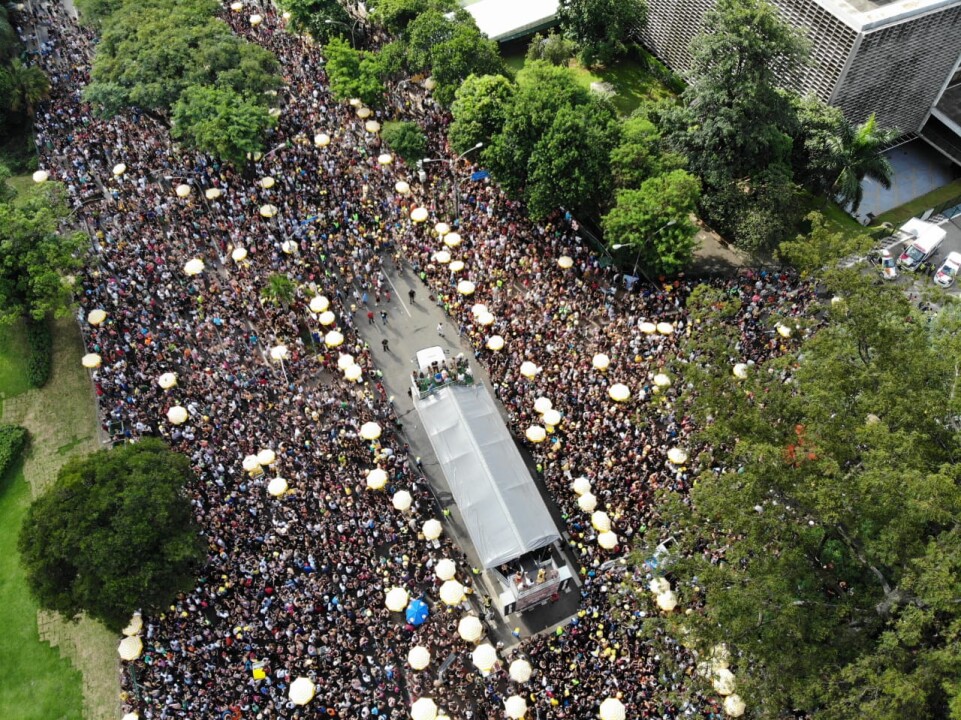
<point>898,59</point>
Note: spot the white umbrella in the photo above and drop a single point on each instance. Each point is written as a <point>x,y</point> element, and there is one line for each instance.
<point>355,102</point>
<point>452,239</point>
<point>396,599</point>
<point>268,210</point>
<point>552,417</point>
<point>250,463</point>
<point>665,328</point>
<point>423,709</point>
<point>445,569</point>
<point>96,317</point>
<point>587,502</point>
<point>466,287</point>
<point>266,457</point>
<point>319,304</point>
<point>364,112</point>
<point>542,405</point>
<point>385,158</point>
<point>130,716</point>
<point>442,257</point>
<point>301,691</point>
<point>662,381</point>
<point>256,19</point>
<point>478,309</point>
<point>213,193</point>
<point>279,352</point>
<point>432,529</point>
<point>495,343</point>
<point>724,681</point>
<point>239,254</point>
<point>402,500</point>
<point>119,169</point>
<point>470,628</point>
<point>485,319</point>
<point>41,176</point>
<point>601,521</point>
<point>734,706</point>
<point>345,361</point>
<point>667,601</point>
<point>236,6</point>
<point>659,585</point>
<point>402,187</point>
<point>536,434</point>
<point>456,265</point>
<point>418,214</point>
<point>430,84</point>
<point>452,593</point>
<point>581,485</point>
<point>321,139</point>
<point>520,671</point>
<point>515,707</point>
<point>177,415</point>
<point>289,247</point>
<point>354,373</point>
<point>612,709</point>
<point>333,339</point>
<point>370,431</point>
<point>565,262</point>
<point>648,328</point>
<point>267,182</point>
<point>130,647</point>
<point>377,479</point>
<point>182,190</point>
<point>740,371</point>
<point>619,392</point>
<point>607,540</point>
<point>677,456</point>
<point>528,369</point>
<point>372,126</point>
<point>601,361</point>
<point>194,267</point>
<point>418,657</point>
<point>442,228</point>
<point>277,486</point>
<point>484,657</point>
<point>134,626</point>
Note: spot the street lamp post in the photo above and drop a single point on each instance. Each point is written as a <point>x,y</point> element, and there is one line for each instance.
<point>452,163</point>
<point>353,41</point>
<point>650,237</point>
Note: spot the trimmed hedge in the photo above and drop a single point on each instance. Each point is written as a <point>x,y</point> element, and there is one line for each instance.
<point>41,352</point>
<point>13,438</point>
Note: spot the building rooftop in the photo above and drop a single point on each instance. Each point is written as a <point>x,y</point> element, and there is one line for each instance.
<point>504,20</point>
<point>870,14</point>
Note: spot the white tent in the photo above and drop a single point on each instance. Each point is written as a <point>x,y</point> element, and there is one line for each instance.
<point>502,509</point>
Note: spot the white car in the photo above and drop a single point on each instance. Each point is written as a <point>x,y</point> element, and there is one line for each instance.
<point>948,270</point>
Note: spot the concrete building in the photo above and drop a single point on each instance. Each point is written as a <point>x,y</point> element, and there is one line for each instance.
<point>898,59</point>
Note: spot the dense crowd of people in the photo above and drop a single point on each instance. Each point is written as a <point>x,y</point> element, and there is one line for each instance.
<point>295,585</point>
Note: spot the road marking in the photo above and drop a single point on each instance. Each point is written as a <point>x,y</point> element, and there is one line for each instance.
<point>397,295</point>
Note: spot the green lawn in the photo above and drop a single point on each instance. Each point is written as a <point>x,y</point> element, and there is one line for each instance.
<point>899,215</point>
<point>37,683</point>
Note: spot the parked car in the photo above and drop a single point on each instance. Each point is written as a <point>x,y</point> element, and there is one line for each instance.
<point>948,270</point>
<point>889,268</point>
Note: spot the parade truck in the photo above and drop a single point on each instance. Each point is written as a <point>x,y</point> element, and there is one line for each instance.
<point>507,520</point>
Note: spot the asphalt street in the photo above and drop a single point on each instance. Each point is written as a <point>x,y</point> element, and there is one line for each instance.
<point>412,326</point>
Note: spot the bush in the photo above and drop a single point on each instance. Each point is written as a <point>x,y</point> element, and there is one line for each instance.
<point>406,139</point>
<point>41,352</point>
<point>13,438</point>
<point>555,49</point>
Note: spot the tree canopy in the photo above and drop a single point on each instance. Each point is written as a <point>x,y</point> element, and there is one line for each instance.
<point>480,110</point>
<point>114,534</point>
<point>312,16</point>
<point>353,73</point>
<point>36,258</point>
<point>600,27</point>
<point>406,139</point>
<point>822,540</point>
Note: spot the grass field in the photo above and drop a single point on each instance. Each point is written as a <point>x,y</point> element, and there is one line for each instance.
<point>37,682</point>
<point>53,670</point>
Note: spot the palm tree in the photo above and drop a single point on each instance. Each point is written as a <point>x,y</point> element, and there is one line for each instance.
<point>858,153</point>
<point>279,290</point>
<point>28,86</point>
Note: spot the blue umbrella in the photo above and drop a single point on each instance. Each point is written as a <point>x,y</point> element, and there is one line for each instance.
<point>417,612</point>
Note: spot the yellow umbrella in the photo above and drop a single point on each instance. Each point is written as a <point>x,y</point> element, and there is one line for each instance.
<point>529,369</point>
<point>96,317</point>
<point>239,254</point>
<point>354,373</point>
<point>442,257</point>
<point>119,169</point>
<point>607,540</point>
<point>442,228</point>
<point>213,193</point>
<point>266,457</point>
<point>484,657</point>
<point>301,691</point>
<point>134,626</point>
<point>536,434</point>
<point>456,266</point>
<point>452,240</point>
<point>333,339</point>
<point>515,707</point>
<point>250,463</point>
<point>90,361</point>
<point>466,287</point>
<point>581,485</point>
<point>734,706</point>
<point>319,304</point>
<point>41,176</point>
<point>321,139</point>
<point>552,417</point>
<point>452,593</point>
<point>355,102</point>
<point>370,431</point>
<point>601,521</point>
<point>279,352</point>
<point>662,381</point>
<point>740,371</point>
<point>565,262</point>
<point>667,601</point>
<point>418,214</point>
<point>402,501</point>
<point>664,328</point>
<point>364,112</point>
<point>268,210</point>
<point>601,361</point>
<point>612,709</point>
<point>377,479</point>
<point>327,318</point>
<point>520,671</point>
<point>277,486</point>
<point>648,328</point>
<point>267,182</point>
<point>724,681</point>
<point>396,599</point>
<point>167,380</point>
<point>182,190</point>
<point>445,569</point>
<point>587,502</point>
<point>485,319</point>
<point>194,267</point>
<point>418,657</point>
<point>372,126</point>
<point>542,405</point>
<point>385,158</point>
<point>619,392</point>
<point>783,330</point>
<point>345,361</point>
<point>432,529</point>
<point>402,187</point>
<point>470,628</point>
<point>677,456</point>
<point>256,19</point>
<point>130,648</point>
<point>177,415</point>
<point>495,343</point>
<point>423,709</point>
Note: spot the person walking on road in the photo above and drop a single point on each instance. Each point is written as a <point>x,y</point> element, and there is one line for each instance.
<point>385,345</point>
<point>383,316</point>
<point>411,294</point>
<point>440,329</point>
<point>370,317</point>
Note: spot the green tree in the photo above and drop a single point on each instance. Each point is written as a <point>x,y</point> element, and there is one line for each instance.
<point>813,154</point>
<point>311,16</point>
<point>639,156</point>
<point>858,150</point>
<point>821,248</point>
<point>35,257</point>
<point>221,122</point>
<point>465,53</point>
<point>555,48</point>
<point>93,12</point>
<point>570,165</point>
<point>825,517</point>
<point>397,15</point>
<point>24,86</point>
<point>353,73</point>
<point>279,290</point>
<point>654,221</point>
<point>480,110</point>
<point>601,27</point>
<point>406,139</point>
<point>114,534</point>
<point>542,90</point>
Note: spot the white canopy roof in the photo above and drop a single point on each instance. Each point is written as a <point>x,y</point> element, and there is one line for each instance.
<point>509,19</point>
<point>502,509</point>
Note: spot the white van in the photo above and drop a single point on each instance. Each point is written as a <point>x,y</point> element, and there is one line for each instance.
<point>927,238</point>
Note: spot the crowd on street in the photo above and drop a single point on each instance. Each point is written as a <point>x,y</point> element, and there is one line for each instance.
<point>294,585</point>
